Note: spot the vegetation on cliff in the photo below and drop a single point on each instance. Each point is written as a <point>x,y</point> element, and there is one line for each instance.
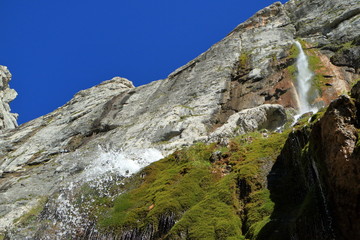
<point>202,192</point>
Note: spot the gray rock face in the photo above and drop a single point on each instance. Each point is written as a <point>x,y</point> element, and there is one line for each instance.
<point>333,20</point>
<point>348,57</point>
<point>220,91</point>
<point>7,119</point>
<point>267,116</point>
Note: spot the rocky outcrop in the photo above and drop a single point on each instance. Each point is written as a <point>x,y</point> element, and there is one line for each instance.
<point>341,166</point>
<point>217,93</point>
<point>267,116</point>
<point>318,167</point>
<point>7,119</point>
<point>332,21</point>
<point>348,55</point>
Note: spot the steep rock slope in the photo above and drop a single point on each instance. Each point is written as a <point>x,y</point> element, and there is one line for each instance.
<point>7,119</point>
<point>315,181</point>
<point>205,100</point>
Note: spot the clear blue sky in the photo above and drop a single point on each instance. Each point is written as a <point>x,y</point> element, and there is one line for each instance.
<point>57,48</point>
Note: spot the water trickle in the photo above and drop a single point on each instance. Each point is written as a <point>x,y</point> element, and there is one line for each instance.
<point>328,216</point>
<point>304,82</point>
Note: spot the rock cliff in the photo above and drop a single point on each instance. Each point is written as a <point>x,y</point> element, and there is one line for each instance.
<point>7,119</point>
<point>246,82</point>
<point>314,182</point>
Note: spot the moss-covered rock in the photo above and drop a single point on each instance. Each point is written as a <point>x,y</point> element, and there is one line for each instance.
<point>189,195</point>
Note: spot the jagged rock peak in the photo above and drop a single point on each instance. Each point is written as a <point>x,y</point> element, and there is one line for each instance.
<point>7,119</point>
<point>105,89</point>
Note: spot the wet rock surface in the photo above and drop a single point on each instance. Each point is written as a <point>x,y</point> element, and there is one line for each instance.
<point>319,167</point>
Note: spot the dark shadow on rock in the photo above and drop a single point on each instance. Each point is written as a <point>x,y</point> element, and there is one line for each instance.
<point>299,211</point>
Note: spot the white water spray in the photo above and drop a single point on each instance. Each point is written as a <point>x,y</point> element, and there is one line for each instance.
<point>304,82</point>
<point>109,167</point>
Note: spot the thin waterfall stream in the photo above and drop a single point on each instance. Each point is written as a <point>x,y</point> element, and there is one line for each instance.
<point>304,81</point>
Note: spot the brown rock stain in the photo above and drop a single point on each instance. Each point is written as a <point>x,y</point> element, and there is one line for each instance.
<point>335,140</point>
<point>284,91</point>
<point>333,80</point>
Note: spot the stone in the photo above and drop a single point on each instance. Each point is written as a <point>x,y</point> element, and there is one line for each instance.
<point>267,116</point>
<point>7,119</point>
<point>323,157</point>
<point>355,91</point>
<point>348,57</point>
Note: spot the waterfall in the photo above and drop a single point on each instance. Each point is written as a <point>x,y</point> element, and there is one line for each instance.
<point>304,82</point>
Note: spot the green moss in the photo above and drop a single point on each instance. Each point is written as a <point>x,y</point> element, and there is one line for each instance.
<point>317,116</point>
<point>171,185</point>
<point>259,211</point>
<point>244,59</point>
<point>347,45</point>
<point>340,47</point>
<point>307,120</point>
<point>32,214</point>
<point>215,217</point>
<point>354,82</point>
<point>302,42</point>
<point>251,150</point>
<point>292,70</point>
<point>357,144</point>
<point>294,51</point>
<point>187,107</point>
<point>203,196</point>
<point>319,80</point>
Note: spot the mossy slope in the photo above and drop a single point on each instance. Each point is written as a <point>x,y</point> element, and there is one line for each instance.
<point>202,192</point>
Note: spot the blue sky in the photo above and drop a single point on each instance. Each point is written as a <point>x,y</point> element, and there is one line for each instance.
<point>57,48</point>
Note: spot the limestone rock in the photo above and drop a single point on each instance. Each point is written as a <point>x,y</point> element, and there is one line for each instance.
<point>334,19</point>
<point>7,119</point>
<point>266,116</point>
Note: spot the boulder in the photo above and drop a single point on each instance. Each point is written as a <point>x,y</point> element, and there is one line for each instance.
<point>267,116</point>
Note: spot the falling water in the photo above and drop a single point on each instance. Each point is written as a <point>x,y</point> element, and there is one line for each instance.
<point>69,211</point>
<point>304,82</point>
